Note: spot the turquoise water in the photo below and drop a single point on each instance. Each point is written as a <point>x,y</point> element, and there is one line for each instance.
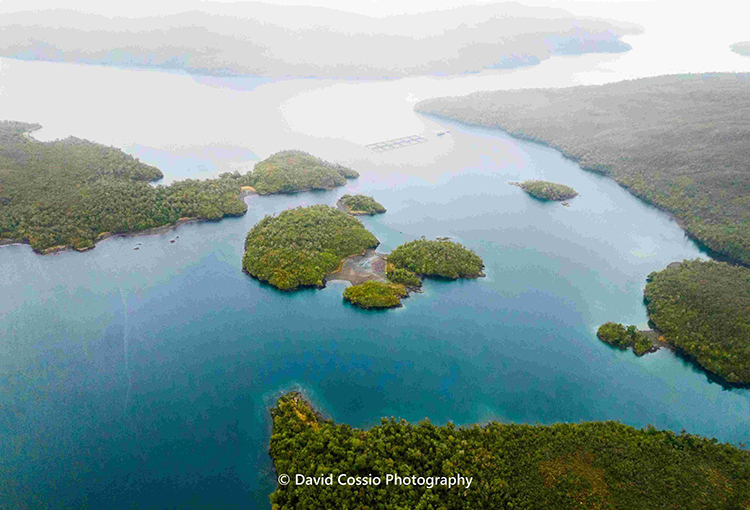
<point>142,379</point>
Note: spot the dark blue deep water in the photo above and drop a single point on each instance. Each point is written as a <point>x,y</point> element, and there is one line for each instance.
<point>142,379</point>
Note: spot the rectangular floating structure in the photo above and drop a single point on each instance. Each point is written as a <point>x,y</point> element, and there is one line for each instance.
<point>396,143</point>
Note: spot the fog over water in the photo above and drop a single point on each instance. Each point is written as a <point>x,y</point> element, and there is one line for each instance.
<point>143,379</point>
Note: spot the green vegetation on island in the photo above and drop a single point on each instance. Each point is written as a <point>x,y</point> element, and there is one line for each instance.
<point>361,204</point>
<point>590,465</point>
<point>743,48</point>
<point>300,246</point>
<point>73,192</point>
<point>623,338</point>
<point>373,294</point>
<point>444,259</point>
<point>402,276</point>
<point>293,171</point>
<point>703,309</point>
<point>545,190</point>
<point>678,142</point>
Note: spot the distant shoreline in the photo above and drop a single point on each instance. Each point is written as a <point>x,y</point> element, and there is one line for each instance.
<point>108,235</point>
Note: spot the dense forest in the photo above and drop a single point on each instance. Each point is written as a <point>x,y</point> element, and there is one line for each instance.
<point>444,259</point>
<point>703,308</point>
<point>624,338</point>
<point>361,204</point>
<point>373,294</point>
<point>73,192</point>
<point>300,246</point>
<point>678,142</point>
<point>590,465</point>
<point>545,190</point>
<point>259,39</point>
<point>402,276</point>
<point>292,171</point>
<point>743,48</point>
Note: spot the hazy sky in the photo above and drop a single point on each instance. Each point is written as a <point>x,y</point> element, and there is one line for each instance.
<point>717,19</point>
<point>713,17</point>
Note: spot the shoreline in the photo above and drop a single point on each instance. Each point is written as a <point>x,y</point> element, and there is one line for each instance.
<point>599,170</point>
<point>108,235</point>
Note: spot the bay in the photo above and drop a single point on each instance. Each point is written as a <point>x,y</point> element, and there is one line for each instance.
<point>143,378</point>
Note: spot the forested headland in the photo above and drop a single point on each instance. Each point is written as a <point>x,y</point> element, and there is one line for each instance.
<point>589,465</point>
<point>545,190</point>
<point>624,338</point>
<point>361,204</point>
<point>743,48</point>
<point>703,309</point>
<point>298,247</point>
<point>73,192</point>
<point>678,142</point>
<point>292,171</point>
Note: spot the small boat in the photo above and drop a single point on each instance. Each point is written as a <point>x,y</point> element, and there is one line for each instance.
<point>136,248</point>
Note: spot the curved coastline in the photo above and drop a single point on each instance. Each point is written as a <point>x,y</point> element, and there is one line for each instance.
<point>599,170</point>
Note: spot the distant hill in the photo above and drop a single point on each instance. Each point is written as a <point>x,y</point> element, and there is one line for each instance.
<point>743,48</point>
<point>681,143</point>
<point>267,40</point>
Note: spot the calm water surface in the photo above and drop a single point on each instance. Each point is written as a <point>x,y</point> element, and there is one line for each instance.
<point>142,379</point>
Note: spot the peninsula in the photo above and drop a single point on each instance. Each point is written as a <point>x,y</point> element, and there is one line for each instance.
<point>703,309</point>
<point>562,466</point>
<point>73,193</point>
<point>292,171</point>
<point>677,142</point>
<point>624,338</point>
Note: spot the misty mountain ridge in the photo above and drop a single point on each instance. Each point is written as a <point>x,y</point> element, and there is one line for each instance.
<point>264,40</point>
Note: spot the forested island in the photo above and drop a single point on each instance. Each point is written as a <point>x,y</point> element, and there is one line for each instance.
<point>300,246</point>
<point>624,338</point>
<point>545,190</point>
<point>306,246</point>
<point>743,48</point>
<point>588,465</point>
<point>360,205</point>
<point>73,192</point>
<point>374,294</point>
<point>440,258</point>
<point>292,171</point>
<point>678,142</point>
<point>407,265</point>
<point>260,39</point>
<point>703,309</point>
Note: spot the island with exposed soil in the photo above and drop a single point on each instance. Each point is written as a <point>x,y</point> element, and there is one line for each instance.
<point>309,246</point>
<point>300,246</point>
